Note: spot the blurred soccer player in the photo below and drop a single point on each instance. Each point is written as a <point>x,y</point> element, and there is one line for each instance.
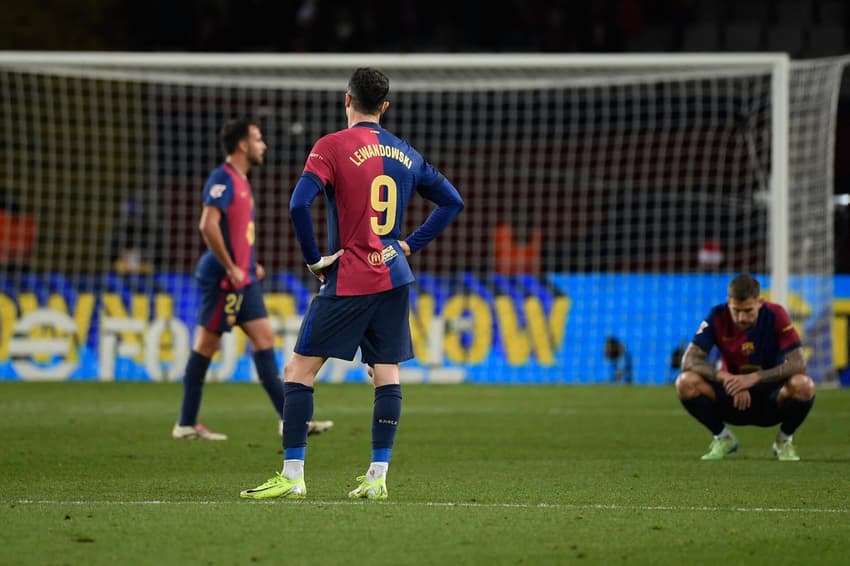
<point>229,277</point>
<point>763,380</point>
<point>368,176</point>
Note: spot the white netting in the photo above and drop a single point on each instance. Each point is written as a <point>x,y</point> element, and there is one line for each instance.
<point>813,100</point>
<point>603,201</point>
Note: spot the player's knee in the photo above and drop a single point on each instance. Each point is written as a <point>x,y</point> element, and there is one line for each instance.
<point>688,385</point>
<point>206,342</point>
<point>289,372</point>
<point>301,369</point>
<point>801,387</point>
<point>207,347</point>
<point>262,342</point>
<point>260,333</point>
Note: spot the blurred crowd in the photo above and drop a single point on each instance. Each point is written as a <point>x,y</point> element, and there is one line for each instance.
<point>433,26</point>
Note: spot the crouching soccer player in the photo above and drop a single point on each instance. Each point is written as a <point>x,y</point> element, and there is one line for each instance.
<point>763,380</point>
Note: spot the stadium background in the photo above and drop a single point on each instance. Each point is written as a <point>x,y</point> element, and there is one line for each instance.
<point>804,29</point>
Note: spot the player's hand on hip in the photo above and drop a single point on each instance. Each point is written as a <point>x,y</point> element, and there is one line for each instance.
<point>260,271</point>
<point>318,268</point>
<point>236,275</point>
<point>404,247</point>
<point>742,400</point>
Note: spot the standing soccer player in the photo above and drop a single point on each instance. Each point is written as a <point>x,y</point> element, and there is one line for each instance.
<point>368,176</point>
<point>229,277</point>
<point>763,380</point>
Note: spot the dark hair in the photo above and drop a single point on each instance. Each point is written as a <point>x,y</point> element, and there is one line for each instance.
<point>368,88</point>
<point>744,287</point>
<point>234,131</point>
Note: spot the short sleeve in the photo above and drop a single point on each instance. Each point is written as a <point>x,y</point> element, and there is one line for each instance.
<point>785,332</point>
<point>218,191</point>
<point>704,335</point>
<point>320,161</point>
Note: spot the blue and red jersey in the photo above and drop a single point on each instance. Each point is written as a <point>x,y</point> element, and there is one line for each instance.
<point>368,176</point>
<point>229,191</point>
<point>745,351</point>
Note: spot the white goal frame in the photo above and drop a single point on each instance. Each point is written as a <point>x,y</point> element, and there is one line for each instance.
<point>761,209</point>
<point>777,64</point>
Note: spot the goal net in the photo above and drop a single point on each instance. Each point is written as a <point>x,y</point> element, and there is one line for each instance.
<point>608,202</point>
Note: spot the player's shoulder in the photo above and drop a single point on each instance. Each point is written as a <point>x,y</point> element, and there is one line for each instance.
<point>334,138</point>
<point>774,308</point>
<point>328,145</point>
<point>219,175</point>
<point>219,184</point>
<point>401,143</point>
<point>717,310</point>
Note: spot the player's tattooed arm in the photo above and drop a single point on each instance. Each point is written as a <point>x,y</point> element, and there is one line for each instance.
<point>694,359</point>
<point>793,364</point>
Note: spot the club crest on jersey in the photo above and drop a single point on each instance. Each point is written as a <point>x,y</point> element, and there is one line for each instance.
<point>217,190</point>
<point>748,348</point>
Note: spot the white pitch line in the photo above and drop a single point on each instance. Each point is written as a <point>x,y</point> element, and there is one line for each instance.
<point>448,504</point>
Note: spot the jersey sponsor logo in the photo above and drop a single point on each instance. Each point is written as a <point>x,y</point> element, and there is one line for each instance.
<point>217,190</point>
<point>314,155</point>
<point>375,258</point>
<point>748,348</point>
<point>383,256</point>
<point>388,253</point>
<point>787,328</point>
<point>702,326</point>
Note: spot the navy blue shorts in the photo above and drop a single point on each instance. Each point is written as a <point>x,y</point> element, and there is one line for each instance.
<point>763,411</point>
<point>221,310</point>
<point>379,324</point>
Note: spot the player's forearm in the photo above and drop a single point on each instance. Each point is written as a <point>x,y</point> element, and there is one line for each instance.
<point>794,363</point>
<point>694,360</point>
<point>449,204</point>
<point>436,222</point>
<point>299,211</point>
<point>304,233</point>
<point>215,242</point>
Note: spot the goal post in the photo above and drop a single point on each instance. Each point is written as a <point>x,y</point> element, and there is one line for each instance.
<point>609,200</point>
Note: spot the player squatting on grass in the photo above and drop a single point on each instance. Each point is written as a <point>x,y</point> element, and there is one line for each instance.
<point>762,380</point>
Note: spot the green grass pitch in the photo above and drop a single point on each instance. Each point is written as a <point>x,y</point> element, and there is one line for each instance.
<point>485,475</point>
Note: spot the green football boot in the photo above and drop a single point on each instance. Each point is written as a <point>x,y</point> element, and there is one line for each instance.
<point>278,486</point>
<point>376,489</point>
<point>785,451</point>
<point>720,448</point>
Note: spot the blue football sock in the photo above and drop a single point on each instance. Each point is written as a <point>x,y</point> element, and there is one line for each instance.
<point>297,411</point>
<point>702,409</point>
<point>267,371</point>
<point>793,413</point>
<point>385,416</point>
<point>193,386</point>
